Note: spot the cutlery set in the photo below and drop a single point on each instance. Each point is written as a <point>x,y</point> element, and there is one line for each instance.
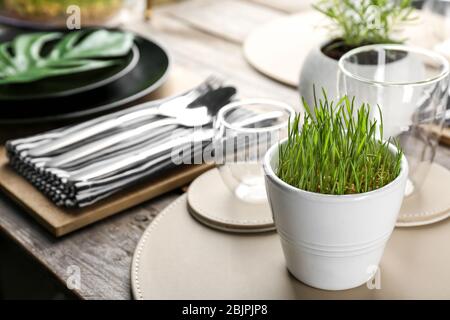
<point>78,165</point>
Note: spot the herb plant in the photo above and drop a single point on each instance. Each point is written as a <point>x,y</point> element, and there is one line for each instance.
<point>336,150</point>
<point>22,59</point>
<point>360,22</point>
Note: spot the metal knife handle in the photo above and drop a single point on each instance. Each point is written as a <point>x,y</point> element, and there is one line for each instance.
<point>118,164</point>
<point>127,146</point>
<point>85,131</point>
<point>211,82</point>
<point>109,141</point>
<point>47,136</point>
<point>77,136</point>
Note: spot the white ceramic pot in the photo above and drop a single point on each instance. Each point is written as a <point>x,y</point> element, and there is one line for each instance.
<point>332,242</point>
<point>320,70</point>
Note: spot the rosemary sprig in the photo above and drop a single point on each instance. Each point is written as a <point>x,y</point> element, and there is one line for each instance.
<point>360,22</point>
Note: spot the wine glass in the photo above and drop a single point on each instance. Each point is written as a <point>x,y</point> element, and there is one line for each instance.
<point>245,131</point>
<point>410,87</point>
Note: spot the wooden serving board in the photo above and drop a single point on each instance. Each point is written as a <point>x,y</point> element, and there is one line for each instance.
<point>61,221</point>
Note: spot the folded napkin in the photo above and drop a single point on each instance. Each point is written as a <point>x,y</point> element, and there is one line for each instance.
<point>72,175</point>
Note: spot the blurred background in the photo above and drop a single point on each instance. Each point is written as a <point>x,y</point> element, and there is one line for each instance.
<point>51,13</point>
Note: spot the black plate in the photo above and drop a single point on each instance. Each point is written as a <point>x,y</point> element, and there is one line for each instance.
<point>66,85</point>
<point>149,73</point>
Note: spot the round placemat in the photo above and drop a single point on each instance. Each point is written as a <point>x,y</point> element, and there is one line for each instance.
<point>180,258</point>
<point>432,201</point>
<point>212,203</point>
<point>279,48</point>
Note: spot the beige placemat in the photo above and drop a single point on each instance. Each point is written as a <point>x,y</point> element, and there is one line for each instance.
<point>212,202</point>
<point>432,201</point>
<point>179,258</point>
<point>60,221</point>
<point>278,48</point>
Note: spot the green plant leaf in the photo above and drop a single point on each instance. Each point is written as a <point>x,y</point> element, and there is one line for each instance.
<point>22,60</point>
<point>366,21</point>
<point>65,45</point>
<point>102,43</point>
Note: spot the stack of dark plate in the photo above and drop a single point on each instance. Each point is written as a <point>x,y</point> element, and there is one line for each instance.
<point>137,74</point>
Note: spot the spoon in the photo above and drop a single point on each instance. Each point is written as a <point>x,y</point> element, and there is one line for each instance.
<point>198,113</point>
<point>125,162</point>
<point>169,108</point>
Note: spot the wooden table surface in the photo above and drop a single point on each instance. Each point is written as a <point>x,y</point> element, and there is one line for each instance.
<point>203,36</point>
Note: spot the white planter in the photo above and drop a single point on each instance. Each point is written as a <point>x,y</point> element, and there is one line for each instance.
<point>320,70</point>
<point>332,242</point>
<point>398,104</point>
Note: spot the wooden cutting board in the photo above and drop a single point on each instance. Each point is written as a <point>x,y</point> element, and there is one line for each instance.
<point>60,221</point>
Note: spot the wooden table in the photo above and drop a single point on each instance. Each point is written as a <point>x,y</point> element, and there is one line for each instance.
<point>203,36</point>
